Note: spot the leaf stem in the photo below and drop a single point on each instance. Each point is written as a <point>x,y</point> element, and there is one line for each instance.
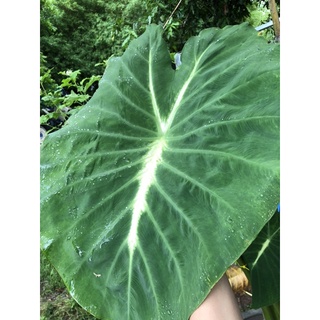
<point>272,312</point>
<point>174,10</point>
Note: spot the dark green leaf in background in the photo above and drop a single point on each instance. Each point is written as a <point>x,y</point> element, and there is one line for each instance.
<point>263,260</point>
<point>165,177</point>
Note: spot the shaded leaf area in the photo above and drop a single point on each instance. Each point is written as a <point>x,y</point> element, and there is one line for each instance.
<point>165,177</point>
<point>263,260</point>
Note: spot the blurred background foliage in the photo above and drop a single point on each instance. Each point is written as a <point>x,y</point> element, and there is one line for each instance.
<point>81,34</point>
<point>77,37</point>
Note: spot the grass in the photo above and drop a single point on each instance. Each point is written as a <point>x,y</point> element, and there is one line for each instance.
<point>55,301</point>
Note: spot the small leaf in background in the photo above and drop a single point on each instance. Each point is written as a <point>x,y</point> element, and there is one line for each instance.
<point>263,261</point>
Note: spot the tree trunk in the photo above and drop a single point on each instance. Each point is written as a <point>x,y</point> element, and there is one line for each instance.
<point>275,19</point>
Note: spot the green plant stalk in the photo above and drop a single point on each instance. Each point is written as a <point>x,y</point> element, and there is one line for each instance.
<point>272,312</point>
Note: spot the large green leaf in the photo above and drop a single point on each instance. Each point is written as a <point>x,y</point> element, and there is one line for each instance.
<point>164,177</point>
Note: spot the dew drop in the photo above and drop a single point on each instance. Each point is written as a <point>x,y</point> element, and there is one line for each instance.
<point>79,251</point>
<point>229,219</point>
<point>45,242</point>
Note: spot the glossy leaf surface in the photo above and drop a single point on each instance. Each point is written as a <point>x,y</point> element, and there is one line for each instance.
<point>165,177</point>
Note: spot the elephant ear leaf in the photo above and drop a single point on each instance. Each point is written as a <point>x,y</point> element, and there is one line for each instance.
<point>165,177</point>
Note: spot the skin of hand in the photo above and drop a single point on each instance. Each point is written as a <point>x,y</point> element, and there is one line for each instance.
<point>220,304</point>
